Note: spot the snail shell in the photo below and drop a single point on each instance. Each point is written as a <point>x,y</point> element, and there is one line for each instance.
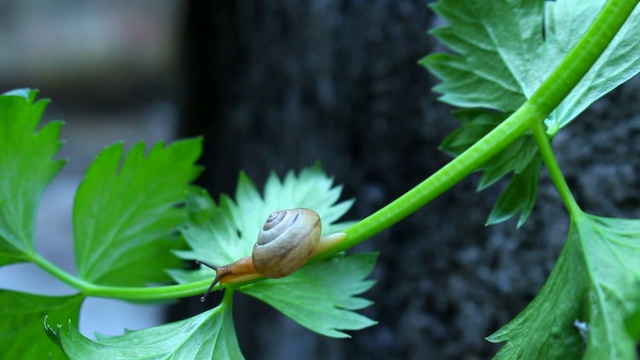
<point>287,240</point>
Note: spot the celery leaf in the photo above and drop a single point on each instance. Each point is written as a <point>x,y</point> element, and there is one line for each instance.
<point>209,335</point>
<point>27,167</point>
<point>590,305</point>
<point>22,314</point>
<point>323,292</point>
<point>127,212</point>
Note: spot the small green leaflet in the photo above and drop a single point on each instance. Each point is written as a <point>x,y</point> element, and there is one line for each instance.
<point>209,335</point>
<point>590,305</point>
<point>520,195</point>
<point>126,215</point>
<point>27,167</point>
<point>320,295</point>
<point>21,326</point>
<point>505,50</point>
<point>323,292</point>
<point>498,42</point>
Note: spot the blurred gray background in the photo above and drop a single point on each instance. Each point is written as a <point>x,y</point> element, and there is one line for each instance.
<point>278,85</point>
<point>110,69</point>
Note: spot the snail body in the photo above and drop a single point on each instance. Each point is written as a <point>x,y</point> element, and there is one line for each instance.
<point>287,240</point>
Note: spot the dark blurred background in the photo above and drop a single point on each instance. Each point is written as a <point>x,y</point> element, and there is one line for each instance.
<point>279,85</point>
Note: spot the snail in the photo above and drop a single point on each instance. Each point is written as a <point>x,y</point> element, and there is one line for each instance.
<point>288,239</point>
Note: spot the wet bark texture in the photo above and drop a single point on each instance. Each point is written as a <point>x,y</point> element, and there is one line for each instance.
<point>279,85</point>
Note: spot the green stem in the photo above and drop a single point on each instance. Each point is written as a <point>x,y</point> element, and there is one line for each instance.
<point>59,273</point>
<point>542,139</point>
<point>148,293</point>
<point>120,292</point>
<point>227,298</point>
<point>442,180</point>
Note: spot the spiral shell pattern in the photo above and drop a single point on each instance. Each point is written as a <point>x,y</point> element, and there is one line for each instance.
<point>286,242</point>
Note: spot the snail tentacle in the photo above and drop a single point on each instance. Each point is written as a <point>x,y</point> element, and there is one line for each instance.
<point>214,282</point>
